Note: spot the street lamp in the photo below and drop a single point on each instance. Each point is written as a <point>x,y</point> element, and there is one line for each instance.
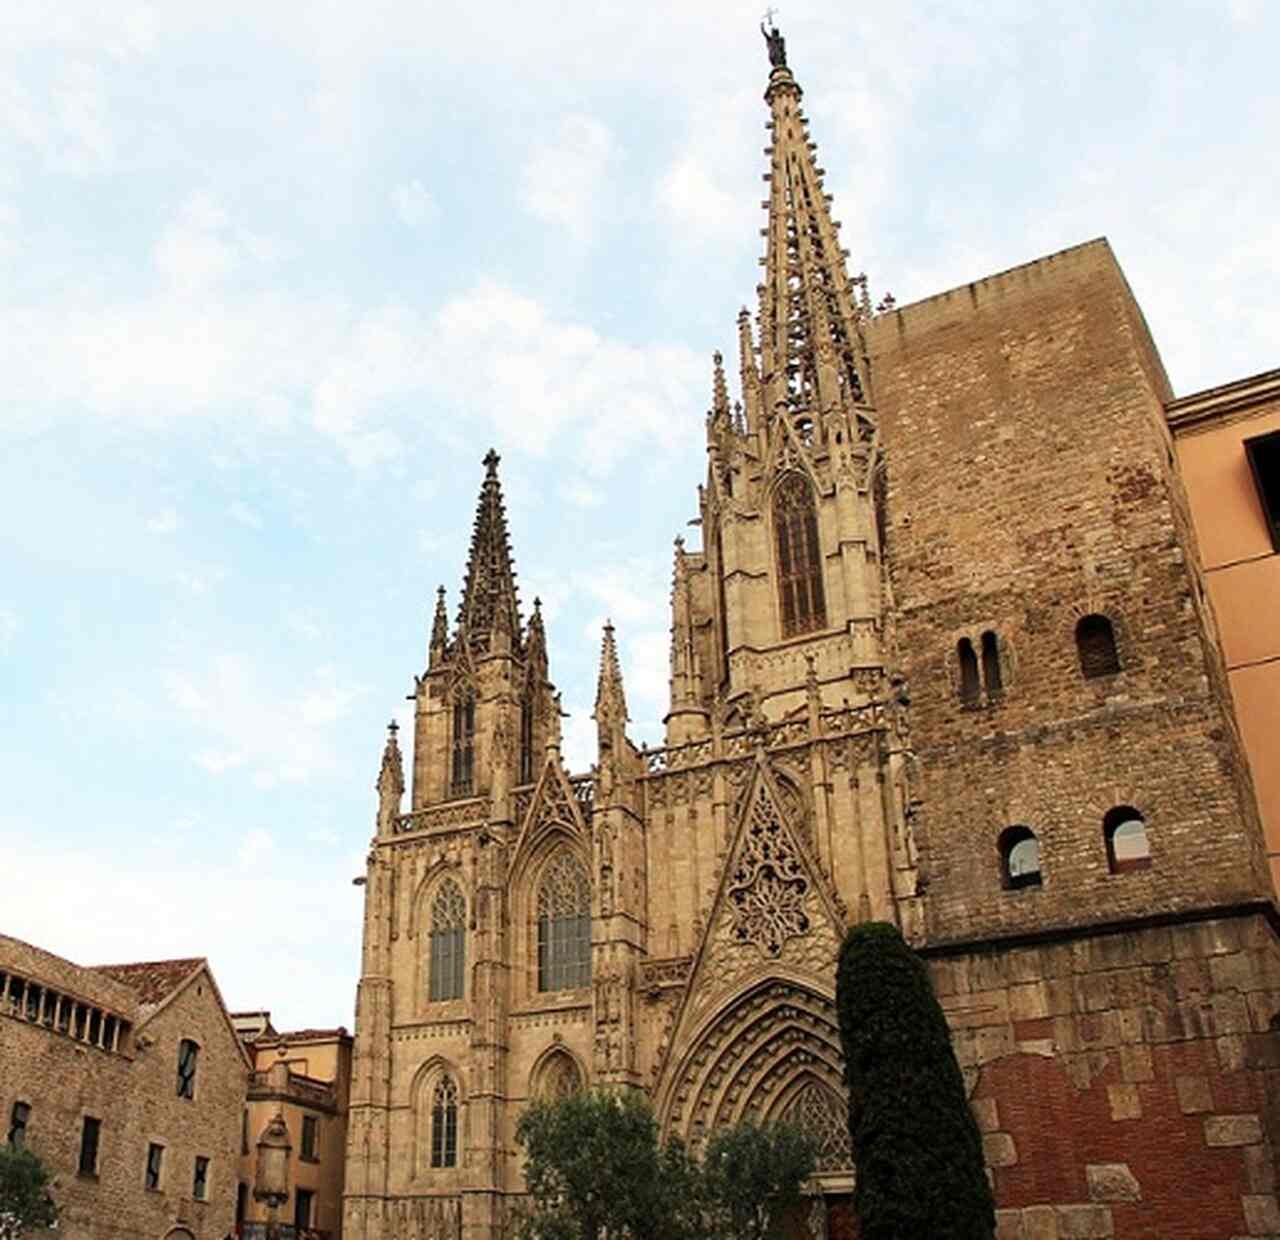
<point>271,1181</point>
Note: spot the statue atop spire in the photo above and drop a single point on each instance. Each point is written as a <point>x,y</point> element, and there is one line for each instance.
<point>390,783</point>
<point>489,606</point>
<point>776,43</point>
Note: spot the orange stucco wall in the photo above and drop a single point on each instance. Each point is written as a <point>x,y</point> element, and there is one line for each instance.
<point>1242,571</point>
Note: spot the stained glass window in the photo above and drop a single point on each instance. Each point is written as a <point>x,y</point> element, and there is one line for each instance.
<point>795,522</point>
<point>448,943</point>
<point>444,1123</point>
<point>564,925</point>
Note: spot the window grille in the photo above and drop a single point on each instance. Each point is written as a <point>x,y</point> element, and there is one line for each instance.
<point>816,1113</point>
<point>564,925</point>
<point>795,521</point>
<point>448,943</point>
<point>188,1053</point>
<point>444,1123</point>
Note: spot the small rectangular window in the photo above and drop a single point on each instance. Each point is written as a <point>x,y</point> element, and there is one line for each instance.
<point>200,1179</point>
<point>187,1054</point>
<point>89,1145</point>
<point>302,1208</point>
<point>155,1160</point>
<point>1264,459</point>
<point>18,1119</point>
<point>310,1128</point>
<point>244,1131</point>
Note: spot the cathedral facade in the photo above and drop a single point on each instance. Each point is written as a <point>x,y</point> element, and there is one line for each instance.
<point>943,658</point>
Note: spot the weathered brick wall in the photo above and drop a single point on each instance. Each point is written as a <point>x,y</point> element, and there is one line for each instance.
<point>1126,1084</point>
<point>1030,482</point>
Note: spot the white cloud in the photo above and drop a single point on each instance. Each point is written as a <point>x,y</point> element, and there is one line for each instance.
<point>202,248</point>
<point>242,514</point>
<point>246,720</point>
<point>164,522</point>
<point>580,495</point>
<point>414,204</point>
<point>564,177</point>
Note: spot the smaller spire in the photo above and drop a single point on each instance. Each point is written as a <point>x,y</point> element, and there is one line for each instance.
<point>750,371</point>
<point>719,389</point>
<point>439,629</point>
<point>390,785</point>
<point>611,698</point>
<point>489,604</point>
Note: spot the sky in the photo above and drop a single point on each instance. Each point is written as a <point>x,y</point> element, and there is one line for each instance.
<point>273,278</point>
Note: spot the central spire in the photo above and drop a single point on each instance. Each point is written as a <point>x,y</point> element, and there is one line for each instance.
<point>489,602</point>
<point>812,354</point>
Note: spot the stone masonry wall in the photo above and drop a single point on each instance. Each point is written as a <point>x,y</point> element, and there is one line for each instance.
<point>1126,1084</point>
<point>1029,483</point>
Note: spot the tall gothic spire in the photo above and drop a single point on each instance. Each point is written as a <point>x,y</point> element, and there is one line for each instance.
<point>811,347</point>
<point>611,699</point>
<point>489,602</point>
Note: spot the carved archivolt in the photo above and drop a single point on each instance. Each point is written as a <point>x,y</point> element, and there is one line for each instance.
<point>754,1060</point>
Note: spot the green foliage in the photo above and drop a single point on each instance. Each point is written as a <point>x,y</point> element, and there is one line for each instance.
<point>752,1178</point>
<point>24,1193</point>
<point>595,1167</point>
<point>916,1146</point>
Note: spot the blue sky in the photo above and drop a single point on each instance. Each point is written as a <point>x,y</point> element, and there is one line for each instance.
<point>273,278</point>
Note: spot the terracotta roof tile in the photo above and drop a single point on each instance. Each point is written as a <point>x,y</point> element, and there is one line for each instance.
<point>153,980</point>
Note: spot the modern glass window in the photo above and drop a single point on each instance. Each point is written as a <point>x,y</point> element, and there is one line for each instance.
<point>444,1123</point>
<point>1020,857</point>
<point>200,1179</point>
<point>1264,460</point>
<point>89,1134</point>
<point>448,943</point>
<point>310,1138</point>
<point>155,1164</point>
<point>188,1053</point>
<point>463,751</point>
<point>19,1117</point>
<point>564,925</point>
<point>795,523</point>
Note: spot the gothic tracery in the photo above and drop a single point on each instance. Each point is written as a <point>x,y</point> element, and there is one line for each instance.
<point>768,886</point>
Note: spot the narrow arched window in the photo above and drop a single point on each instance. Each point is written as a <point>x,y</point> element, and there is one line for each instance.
<point>1125,831</point>
<point>1096,646</point>
<point>448,943</point>
<point>1020,857</point>
<point>559,1077</point>
<point>463,742</point>
<point>564,925</point>
<point>970,684</point>
<point>444,1123</point>
<point>526,737</point>
<point>188,1054</point>
<point>795,522</point>
<point>992,677</point>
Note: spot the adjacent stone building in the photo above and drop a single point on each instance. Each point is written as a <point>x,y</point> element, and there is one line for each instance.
<point>129,1083</point>
<point>1228,445</point>
<point>944,657</point>
<point>305,1076</point>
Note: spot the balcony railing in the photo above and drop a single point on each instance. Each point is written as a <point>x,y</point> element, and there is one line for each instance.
<point>283,1231</point>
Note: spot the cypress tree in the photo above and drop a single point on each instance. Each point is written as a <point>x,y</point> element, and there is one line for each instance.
<point>916,1146</point>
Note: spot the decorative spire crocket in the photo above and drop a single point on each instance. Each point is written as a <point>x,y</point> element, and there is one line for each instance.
<point>490,605</point>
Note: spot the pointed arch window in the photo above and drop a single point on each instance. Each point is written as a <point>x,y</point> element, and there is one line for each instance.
<point>448,943</point>
<point>558,1078</point>
<point>816,1112</point>
<point>795,522</point>
<point>526,737</point>
<point>463,742</point>
<point>444,1123</point>
<point>564,925</point>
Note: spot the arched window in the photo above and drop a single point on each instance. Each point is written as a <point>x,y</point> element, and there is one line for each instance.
<point>970,684</point>
<point>1096,646</point>
<point>992,677</point>
<point>1125,831</point>
<point>444,1123</point>
<point>795,522</point>
<point>564,925</point>
<point>463,749</point>
<point>526,737</point>
<point>188,1053</point>
<point>1020,857</point>
<point>816,1112</point>
<point>558,1077</point>
<point>448,943</point>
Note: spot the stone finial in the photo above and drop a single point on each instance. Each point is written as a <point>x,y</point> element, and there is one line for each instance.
<point>390,785</point>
